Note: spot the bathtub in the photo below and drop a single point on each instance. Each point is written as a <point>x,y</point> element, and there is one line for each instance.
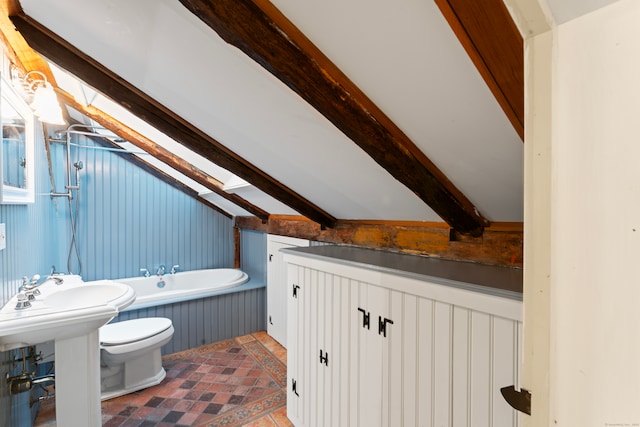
<point>182,286</point>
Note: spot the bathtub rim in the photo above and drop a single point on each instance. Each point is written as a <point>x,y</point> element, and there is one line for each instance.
<point>248,285</point>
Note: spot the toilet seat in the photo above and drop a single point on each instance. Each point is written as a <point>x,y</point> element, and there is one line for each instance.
<point>131,331</point>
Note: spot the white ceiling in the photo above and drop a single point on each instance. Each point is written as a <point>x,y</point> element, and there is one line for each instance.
<point>566,10</point>
<point>401,53</point>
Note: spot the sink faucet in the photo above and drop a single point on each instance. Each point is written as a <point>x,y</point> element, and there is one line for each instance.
<point>28,285</point>
<point>160,271</point>
<point>29,289</point>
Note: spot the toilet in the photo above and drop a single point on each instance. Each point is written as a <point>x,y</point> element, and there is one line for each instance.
<point>130,356</point>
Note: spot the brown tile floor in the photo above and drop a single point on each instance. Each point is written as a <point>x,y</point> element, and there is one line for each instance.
<point>237,382</point>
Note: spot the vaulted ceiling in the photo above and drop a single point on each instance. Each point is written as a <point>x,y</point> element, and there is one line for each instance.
<point>411,110</point>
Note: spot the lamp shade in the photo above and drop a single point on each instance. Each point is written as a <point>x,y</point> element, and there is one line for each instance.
<point>45,105</point>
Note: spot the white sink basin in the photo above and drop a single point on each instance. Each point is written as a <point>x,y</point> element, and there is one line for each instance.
<point>71,309</point>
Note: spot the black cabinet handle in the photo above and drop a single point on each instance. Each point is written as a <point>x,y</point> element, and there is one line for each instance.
<point>295,290</point>
<point>294,387</point>
<point>519,400</point>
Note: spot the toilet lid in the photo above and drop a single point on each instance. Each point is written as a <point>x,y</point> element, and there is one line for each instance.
<point>132,330</point>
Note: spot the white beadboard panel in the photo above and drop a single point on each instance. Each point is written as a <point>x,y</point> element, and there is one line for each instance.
<point>482,371</point>
<point>343,348</point>
<point>460,371</point>
<point>440,363</point>
<point>425,373</point>
<point>410,366</point>
<point>295,332</point>
<point>506,362</point>
<point>394,349</point>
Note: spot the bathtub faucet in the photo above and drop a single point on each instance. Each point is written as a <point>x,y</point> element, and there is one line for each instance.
<point>145,272</point>
<point>160,271</point>
<point>174,269</point>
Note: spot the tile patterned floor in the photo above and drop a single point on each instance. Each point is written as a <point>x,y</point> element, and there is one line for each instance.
<point>237,382</point>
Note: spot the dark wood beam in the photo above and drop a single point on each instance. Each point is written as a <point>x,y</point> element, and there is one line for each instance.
<point>263,33</point>
<point>154,171</point>
<point>500,244</point>
<point>160,153</point>
<point>494,44</point>
<point>58,50</point>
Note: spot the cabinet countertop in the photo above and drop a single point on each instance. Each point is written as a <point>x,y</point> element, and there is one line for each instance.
<point>500,281</point>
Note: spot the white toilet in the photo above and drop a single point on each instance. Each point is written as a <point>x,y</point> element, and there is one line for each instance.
<point>130,356</point>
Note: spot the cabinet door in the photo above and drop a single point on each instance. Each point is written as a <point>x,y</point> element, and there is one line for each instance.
<point>295,352</point>
<point>321,342</point>
<point>277,285</point>
<point>379,357</point>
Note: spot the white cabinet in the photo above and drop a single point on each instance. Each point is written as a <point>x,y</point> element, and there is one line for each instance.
<point>374,348</point>
<point>276,284</point>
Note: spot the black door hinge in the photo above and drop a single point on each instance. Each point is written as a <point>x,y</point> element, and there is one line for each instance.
<point>324,358</point>
<point>365,318</point>
<point>382,325</point>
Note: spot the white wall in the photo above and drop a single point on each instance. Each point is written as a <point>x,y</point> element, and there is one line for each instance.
<point>584,315</point>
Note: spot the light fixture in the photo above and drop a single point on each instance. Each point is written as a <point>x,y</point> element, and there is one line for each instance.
<point>44,101</point>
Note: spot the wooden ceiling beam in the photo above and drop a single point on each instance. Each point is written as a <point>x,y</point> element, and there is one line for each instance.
<point>263,33</point>
<point>58,50</point>
<point>494,44</point>
<point>160,153</point>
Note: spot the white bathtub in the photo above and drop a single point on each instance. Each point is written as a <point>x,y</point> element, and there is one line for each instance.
<point>182,286</point>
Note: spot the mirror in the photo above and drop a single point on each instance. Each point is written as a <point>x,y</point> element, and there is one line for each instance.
<point>17,154</point>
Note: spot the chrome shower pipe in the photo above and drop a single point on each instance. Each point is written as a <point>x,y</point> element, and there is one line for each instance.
<point>68,132</point>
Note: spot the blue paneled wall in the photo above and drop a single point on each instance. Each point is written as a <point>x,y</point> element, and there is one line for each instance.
<point>127,220</point>
<point>35,232</point>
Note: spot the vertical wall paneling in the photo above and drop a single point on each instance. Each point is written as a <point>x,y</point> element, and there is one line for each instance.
<point>482,370</point>
<point>425,371</point>
<point>442,362</point>
<point>35,240</point>
<point>442,367</point>
<point>504,332</point>
<point>126,220</point>
<point>410,369</point>
<point>460,367</point>
<point>208,320</point>
<point>276,285</point>
<point>253,254</point>
<point>396,348</point>
<point>355,352</point>
<point>295,330</point>
<point>129,220</point>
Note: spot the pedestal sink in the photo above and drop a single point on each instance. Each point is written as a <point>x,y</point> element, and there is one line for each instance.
<point>70,315</point>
